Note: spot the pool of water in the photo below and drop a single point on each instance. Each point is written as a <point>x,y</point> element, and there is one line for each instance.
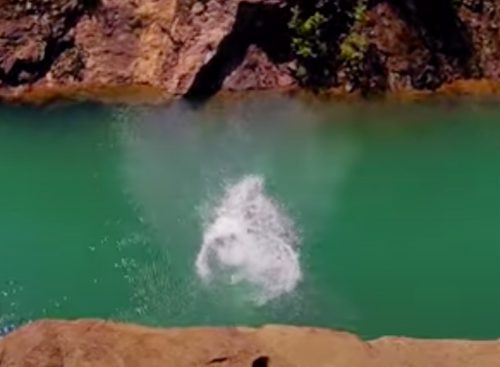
<point>377,219</point>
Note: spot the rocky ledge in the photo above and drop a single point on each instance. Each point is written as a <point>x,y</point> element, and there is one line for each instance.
<point>153,50</point>
<point>94,343</point>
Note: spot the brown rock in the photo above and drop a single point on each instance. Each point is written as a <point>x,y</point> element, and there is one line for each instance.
<point>33,34</point>
<point>69,66</point>
<point>197,8</point>
<point>258,72</point>
<point>47,44</point>
<point>194,48</point>
<point>94,343</point>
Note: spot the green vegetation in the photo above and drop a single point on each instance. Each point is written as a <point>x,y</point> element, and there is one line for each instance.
<point>308,44</point>
<point>359,12</point>
<point>305,40</point>
<point>353,47</point>
<point>324,33</point>
<point>355,44</point>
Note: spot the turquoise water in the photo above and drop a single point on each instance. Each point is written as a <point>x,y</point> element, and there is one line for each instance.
<point>393,215</point>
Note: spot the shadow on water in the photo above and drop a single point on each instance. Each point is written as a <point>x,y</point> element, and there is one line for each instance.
<point>70,118</point>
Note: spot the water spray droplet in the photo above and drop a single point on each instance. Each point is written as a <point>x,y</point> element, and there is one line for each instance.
<point>249,240</point>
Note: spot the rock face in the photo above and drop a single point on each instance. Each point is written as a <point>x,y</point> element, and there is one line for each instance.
<point>37,36</point>
<point>156,49</point>
<point>58,47</point>
<point>93,343</point>
<point>421,45</point>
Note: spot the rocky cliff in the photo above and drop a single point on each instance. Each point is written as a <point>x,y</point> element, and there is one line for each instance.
<point>93,343</point>
<point>156,49</point>
<point>69,47</point>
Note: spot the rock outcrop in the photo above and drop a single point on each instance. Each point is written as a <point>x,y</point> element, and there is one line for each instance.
<point>93,343</point>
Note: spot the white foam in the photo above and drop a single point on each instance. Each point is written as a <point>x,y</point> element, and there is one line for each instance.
<point>248,239</point>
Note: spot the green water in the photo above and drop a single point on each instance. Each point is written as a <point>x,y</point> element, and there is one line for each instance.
<point>397,208</point>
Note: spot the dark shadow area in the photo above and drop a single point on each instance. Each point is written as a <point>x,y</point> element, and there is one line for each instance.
<point>60,118</point>
<point>263,25</point>
<point>261,362</point>
<point>443,33</point>
<point>372,74</point>
<point>26,71</point>
<point>218,360</point>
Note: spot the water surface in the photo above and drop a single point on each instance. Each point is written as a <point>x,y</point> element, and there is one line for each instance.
<point>378,219</point>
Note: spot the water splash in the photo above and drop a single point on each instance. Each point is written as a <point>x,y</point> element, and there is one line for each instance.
<point>249,241</point>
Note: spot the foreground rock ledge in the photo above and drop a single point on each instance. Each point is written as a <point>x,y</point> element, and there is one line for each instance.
<point>94,343</point>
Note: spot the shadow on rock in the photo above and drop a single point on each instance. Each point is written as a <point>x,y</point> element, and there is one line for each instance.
<point>450,50</point>
<point>262,25</point>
